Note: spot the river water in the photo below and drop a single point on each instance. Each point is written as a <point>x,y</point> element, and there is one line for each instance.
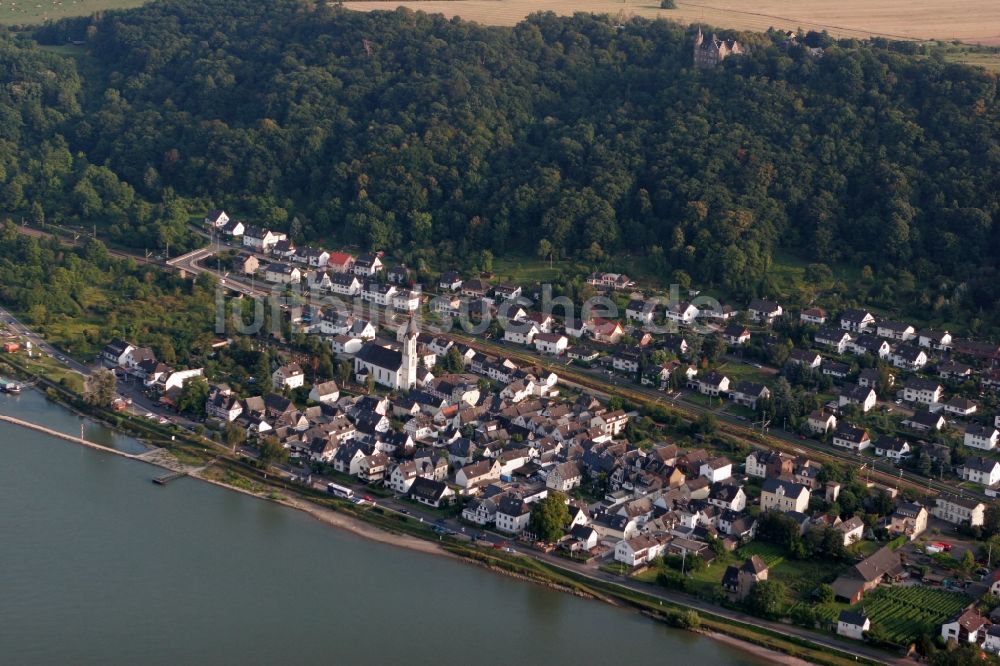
<point>100,566</point>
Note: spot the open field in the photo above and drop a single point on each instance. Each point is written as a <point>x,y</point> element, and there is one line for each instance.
<point>25,12</point>
<point>974,21</point>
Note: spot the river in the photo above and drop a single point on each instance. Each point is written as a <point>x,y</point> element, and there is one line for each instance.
<point>100,566</point>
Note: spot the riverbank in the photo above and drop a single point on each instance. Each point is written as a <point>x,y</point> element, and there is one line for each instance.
<point>378,527</point>
<point>336,519</point>
<point>757,650</point>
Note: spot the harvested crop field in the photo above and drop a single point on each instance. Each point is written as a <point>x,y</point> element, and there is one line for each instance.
<point>973,21</point>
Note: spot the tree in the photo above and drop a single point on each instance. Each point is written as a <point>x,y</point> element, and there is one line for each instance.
<point>668,4</point>
<point>825,594</point>
<point>234,435</point>
<point>707,423</point>
<point>271,451</point>
<point>452,361</point>
<point>101,388</point>
<point>193,396</point>
<point>766,599</point>
<point>545,250</point>
<point>991,520</point>
<point>549,517</point>
<point>688,619</point>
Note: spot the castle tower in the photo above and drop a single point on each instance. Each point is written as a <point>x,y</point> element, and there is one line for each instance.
<point>407,336</point>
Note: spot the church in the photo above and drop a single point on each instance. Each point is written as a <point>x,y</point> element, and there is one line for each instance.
<point>392,368</point>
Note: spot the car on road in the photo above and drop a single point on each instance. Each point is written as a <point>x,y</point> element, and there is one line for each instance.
<point>405,512</point>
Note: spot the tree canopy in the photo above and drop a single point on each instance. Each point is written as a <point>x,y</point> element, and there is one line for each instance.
<point>562,136</point>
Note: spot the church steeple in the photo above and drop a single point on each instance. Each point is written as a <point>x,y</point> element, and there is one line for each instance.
<point>407,336</point>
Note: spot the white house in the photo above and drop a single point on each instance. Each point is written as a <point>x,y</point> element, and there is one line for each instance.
<point>637,550</point>
<point>682,313</point>
<point>712,384</point>
<point>406,300</point>
<point>892,447</point>
<point>312,256</point>
<point>981,437</point>
<point>345,284</point>
<point>783,496</point>
<point>853,624</point>
<point>985,471</point>
<point>521,333</point>
<point>480,511</point>
<point>551,343</point>
<point>234,228</point>
<point>282,274</point>
<point>325,392</point>
<point>367,265</point>
<point>920,390</point>
<point>116,353</point>
<point>908,357</point>
<point>852,530</point>
<point>966,626</point>
<point>288,376</point>
<point>764,311</point>
<point>895,330</point>
<point>216,218</point>
<point>813,316</point>
<point>932,339</point>
<point>638,310</point>
<point>851,438</point>
<point>821,423</point>
<point>346,345</point>
<point>833,338</point>
<point>177,378</point>
<point>512,514</point>
<point>379,293</point>
<point>856,320</point>
<point>959,511</point>
<point>865,398</point>
<point>804,358</point>
<point>262,239</point>
<point>716,469</point>
<point>736,334</point>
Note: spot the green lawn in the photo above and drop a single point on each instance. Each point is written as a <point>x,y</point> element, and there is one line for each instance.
<point>738,372</point>
<point>30,12</point>
<point>49,367</point>
<point>526,270</point>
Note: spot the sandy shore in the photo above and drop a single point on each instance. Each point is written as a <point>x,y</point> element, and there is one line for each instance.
<point>757,650</point>
<point>340,520</point>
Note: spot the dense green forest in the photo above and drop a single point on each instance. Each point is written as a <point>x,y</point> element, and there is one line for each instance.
<point>439,138</point>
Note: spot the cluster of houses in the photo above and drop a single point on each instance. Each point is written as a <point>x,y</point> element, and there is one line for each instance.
<point>140,363</point>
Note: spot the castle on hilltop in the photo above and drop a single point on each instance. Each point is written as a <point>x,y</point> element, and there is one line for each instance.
<point>710,52</point>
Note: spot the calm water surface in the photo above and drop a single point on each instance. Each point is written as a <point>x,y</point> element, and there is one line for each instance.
<point>100,566</point>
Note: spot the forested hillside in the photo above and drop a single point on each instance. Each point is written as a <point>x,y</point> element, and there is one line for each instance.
<point>441,138</point>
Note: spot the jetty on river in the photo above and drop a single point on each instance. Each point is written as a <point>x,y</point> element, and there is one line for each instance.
<point>155,456</point>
